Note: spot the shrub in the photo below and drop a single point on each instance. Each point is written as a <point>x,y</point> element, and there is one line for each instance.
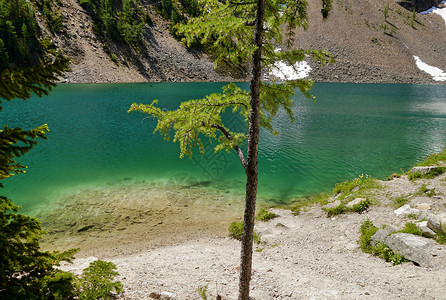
<point>386,11</point>
<point>367,230</point>
<point>96,281</point>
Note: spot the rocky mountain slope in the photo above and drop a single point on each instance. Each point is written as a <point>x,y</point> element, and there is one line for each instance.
<point>372,43</point>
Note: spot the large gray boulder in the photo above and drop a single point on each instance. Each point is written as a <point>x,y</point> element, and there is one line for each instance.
<point>423,170</point>
<point>381,235</point>
<point>412,247</point>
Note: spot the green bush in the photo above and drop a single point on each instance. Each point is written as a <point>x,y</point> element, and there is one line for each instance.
<point>367,230</point>
<point>96,281</point>
<point>338,210</point>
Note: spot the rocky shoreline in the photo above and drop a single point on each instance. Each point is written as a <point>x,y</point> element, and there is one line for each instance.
<point>312,255</point>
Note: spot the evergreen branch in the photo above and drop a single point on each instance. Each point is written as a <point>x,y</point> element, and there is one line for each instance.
<point>229,137</point>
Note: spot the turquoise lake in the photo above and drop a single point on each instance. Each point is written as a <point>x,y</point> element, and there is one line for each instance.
<point>351,129</point>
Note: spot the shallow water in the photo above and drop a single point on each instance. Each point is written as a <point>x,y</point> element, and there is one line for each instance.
<point>351,129</point>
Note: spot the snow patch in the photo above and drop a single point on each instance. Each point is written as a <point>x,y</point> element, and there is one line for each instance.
<point>436,73</point>
<point>286,72</point>
<point>436,10</point>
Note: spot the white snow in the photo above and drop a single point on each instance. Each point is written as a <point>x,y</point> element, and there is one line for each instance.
<point>436,10</point>
<point>286,72</point>
<point>436,73</point>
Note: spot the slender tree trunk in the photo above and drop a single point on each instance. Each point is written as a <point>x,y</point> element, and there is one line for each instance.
<point>251,161</point>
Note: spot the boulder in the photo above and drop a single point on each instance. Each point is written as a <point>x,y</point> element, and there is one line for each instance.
<point>433,224</point>
<point>355,202</point>
<point>406,210</point>
<point>423,206</point>
<point>422,170</point>
<point>427,232</point>
<point>381,235</point>
<point>412,247</point>
<point>332,205</point>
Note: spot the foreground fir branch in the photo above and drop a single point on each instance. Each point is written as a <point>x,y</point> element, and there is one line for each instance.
<point>27,272</point>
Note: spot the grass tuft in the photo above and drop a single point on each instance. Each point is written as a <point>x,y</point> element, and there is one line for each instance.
<point>236,232</point>
<point>412,229</point>
<point>399,201</point>
<point>264,215</point>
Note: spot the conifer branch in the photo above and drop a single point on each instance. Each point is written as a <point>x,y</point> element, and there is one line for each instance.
<point>229,137</point>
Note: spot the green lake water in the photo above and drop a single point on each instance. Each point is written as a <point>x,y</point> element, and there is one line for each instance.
<point>351,129</point>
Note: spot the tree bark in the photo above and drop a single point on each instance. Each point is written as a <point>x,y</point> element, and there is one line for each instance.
<point>251,158</point>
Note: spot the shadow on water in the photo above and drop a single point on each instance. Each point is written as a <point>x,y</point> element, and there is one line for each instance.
<point>200,184</point>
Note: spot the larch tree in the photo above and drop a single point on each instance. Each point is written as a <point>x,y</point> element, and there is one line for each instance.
<point>258,33</point>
